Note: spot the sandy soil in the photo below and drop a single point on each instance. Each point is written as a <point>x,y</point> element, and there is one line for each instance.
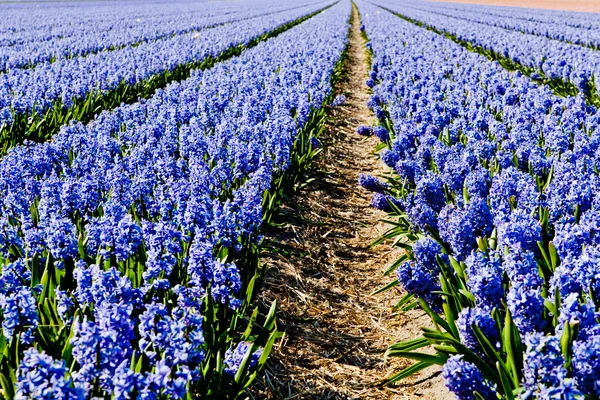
<point>335,332</point>
<point>570,5</point>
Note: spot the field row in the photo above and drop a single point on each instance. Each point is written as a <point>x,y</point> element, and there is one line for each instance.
<point>568,68</point>
<point>36,102</point>
<point>493,190</point>
<point>130,245</point>
<point>130,28</point>
<point>585,33</point>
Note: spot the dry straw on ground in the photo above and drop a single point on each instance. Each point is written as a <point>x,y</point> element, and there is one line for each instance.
<point>335,332</point>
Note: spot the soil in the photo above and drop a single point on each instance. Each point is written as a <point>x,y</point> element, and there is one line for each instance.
<point>335,331</point>
<point>569,5</point>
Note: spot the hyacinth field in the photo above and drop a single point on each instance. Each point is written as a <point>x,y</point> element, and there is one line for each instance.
<point>152,153</point>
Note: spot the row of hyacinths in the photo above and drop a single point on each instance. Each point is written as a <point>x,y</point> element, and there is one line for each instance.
<point>53,34</point>
<point>493,190</point>
<point>584,31</point>
<point>584,20</point>
<point>545,59</point>
<point>57,22</point>
<point>36,101</point>
<point>129,245</point>
<point>30,42</point>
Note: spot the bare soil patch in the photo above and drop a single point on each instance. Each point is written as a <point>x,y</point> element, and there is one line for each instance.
<point>567,5</point>
<point>335,332</point>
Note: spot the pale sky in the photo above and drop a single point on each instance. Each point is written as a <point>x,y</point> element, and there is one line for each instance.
<point>572,5</point>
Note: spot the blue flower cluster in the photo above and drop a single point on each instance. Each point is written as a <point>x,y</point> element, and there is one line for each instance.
<point>464,379</point>
<point>235,357</point>
<point>544,374</point>
<point>131,224</point>
<point>419,276</point>
<point>41,377</point>
<point>498,180</point>
<point>338,101</point>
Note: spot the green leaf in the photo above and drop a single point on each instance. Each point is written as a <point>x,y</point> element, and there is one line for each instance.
<point>437,320</point>
<point>491,352</point>
<point>506,385</point>
<point>554,259</point>
<point>239,375</point>
<point>549,179</point>
<point>411,344</point>
<point>465,193</point>
<point>264,356</point>
<point>396,264</point>
<point>406,372</point>
<point>460,271</point>
<point>270,321</point>
<point>511,341</point>
<point>566,341</point>
<point>406,299</point>
<point>251,323</point>
<point>544,255</point>
<point>428,358</point>
<point>550,306</point>
<point>450,318</point>
<point>441,338</point>
<point>441,348</point>
<point>386,287</point>
<point>67,350</point>
<point>8,387</point>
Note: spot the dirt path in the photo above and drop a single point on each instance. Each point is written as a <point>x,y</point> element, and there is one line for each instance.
<point>335,332</point>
